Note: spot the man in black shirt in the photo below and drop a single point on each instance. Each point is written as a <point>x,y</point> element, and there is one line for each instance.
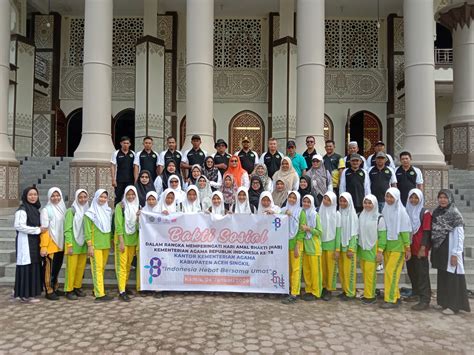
<point>272,158</point>
<point>408,177</point>
<point>334,163</point>
<point>381,177</point>
<point>170,154</point>
<point>221,157</point>
<point>355,181</point>
<point>248,158</point>
<point>146,159</point>
<point>193,156</point>
<point>122,168</point>
<point>309,152</point>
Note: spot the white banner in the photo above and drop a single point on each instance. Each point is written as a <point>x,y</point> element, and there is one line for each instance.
<point>199,252</point>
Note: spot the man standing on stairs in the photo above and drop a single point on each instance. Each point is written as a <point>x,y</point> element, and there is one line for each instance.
<point>122,168</point>
<point>146,159</point>
<point>408,177</point>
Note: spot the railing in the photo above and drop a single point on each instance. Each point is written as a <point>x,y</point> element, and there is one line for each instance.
<point>443,56</point>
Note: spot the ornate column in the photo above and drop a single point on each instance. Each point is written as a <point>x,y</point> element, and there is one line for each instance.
<point>459,133</point>
<point>199,72</point>
<point>9,166</point>
<point>310,72</point>
<point>420,115</point>
<point>90,168</point>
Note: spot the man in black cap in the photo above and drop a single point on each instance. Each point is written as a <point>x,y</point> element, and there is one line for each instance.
<point>170,154</point>
<point>355,181</point>
<point>121,165</point>
<point>310,151</point>
<point>381,178</point>
<point>272,158</point>
<point>192,156</point>
<point>380,147</point>
<point>221,157</point>
<point>248,158</point>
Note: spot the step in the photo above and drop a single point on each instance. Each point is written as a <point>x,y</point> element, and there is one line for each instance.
<point>7,256</point>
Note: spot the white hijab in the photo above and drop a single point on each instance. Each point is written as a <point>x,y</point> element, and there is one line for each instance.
<point>274,208</point>
<point>205,194</point>
<point>162,206</point>
<point>191,207</point>
<point>147,208</point>
<point>295,210</point>
<point>368,224</point>
<point>242,207</point>
<point>349,220</point>
<point>56,213</point>
<point>101,215</point>
<point>395,216</point>
<point>414,211</point>
<point>79,211</point>
<point>130,210</point>
<point>329,218</point>
<point>311,216</point>
<point>179,194</point>
<point>218,210</point>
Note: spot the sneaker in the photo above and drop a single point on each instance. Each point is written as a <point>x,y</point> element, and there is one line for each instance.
<point>309,297</point>
<point>289,300</point>
<point>421,306</point>
<point>438,307</point>
<point>341,295</point>
<point>60,293</point>
<point>52,296</point>
<point>105,298</point>
<point>389,305</point>
<point>368,301</point>
<point>448,312</point>
<point>33,300</point>
<point>346,298</point>
<point>79,292</point>
<point>71,296</point>
<point>412,298</point>
<point>380,267</point>
<point>327,295</point>
<point>129,291</point>
<point>124,297</point>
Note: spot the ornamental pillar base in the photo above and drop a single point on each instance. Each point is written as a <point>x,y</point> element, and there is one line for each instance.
<point>435,178</point>
<point>90,176</point>
<point>459,145</point>
<point>9,182</point>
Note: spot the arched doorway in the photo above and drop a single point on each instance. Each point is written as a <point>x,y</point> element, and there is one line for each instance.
<point>328,128</point>
<point>123,124</point>
<point>366,130</point>
<point>246,124</point>
<point>74,131</point>
<point>182,131</point>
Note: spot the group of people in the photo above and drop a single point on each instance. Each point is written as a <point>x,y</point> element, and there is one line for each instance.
<point>341,209</point>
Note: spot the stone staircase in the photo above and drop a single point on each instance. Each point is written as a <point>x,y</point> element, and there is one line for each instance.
<point>460,182</point>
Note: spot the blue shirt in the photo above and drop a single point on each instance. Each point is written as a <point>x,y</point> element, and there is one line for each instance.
<point>299,163</point>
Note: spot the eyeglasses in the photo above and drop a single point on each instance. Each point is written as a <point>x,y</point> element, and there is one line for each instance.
<point>233,161</point>
<point>144,177</point>
<point>307,142</point>
<point>174,182</point>
<point>255,183</point>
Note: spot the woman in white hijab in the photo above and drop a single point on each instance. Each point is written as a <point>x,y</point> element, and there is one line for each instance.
<point>126,238</point>
<point>151,204</point>
<point>174,183</point>
<point>266,204</point>
<point>52,242</point>
<point>217,205</point>
<point>397,247</point>
<point>348,247</point>
<point>371,230</point>
<point>167,203</point>
<point>242,202</point>
<point>98,235</point>
<point>205,192</point>
<point>75,246</point>
<point>191,204</point>
<point>330,242</point>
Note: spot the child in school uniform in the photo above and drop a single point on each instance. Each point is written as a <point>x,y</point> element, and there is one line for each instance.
<point>98,235</point>
<point>371,229</point>
<point>266,204</point>
<point>191,204</point>
<point>310,225</point>
<point>330,239</point>
<point>75,245</point>
<point>295,247</point>
<point>346,251</point>
<point>396,248</point>
<point>126,239</point>
<point>242,202</point>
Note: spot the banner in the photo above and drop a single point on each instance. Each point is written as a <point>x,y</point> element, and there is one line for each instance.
<point>201,252</point>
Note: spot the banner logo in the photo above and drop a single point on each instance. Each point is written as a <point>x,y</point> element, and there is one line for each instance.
<point>278,281</point>
<point>277,223</point>
<point>154,268</point>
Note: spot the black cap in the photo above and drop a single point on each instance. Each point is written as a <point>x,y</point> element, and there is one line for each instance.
<point>219,142</point>
<point>355,156</point>
<point>196,137</point>
<point>380,143</point>
<point>381,155</point>
<point>290,144</point>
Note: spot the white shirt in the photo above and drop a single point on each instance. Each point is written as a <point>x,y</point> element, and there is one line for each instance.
<point>366,167</point>
<point>23,248</point>
<point>456,247</point>
<point>342,183</point>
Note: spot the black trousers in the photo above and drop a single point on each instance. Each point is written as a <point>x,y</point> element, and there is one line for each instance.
<point>120,190</point>
<point>419,273</point>
<point>52,264</point>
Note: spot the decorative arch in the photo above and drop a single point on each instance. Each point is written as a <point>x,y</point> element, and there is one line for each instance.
<point>73,131</point>
<point>365,128</point>
<point>182,131</point>
<point>328,128</point>
<point>123,124</point>
<point>246,124</point>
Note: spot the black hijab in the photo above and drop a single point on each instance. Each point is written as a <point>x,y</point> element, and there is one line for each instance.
<point>142,189</point>
<point>165,175</point>
<point>254,195</point>
<point>31,209</point>
<point>307,190</point>
<point>445,219</point>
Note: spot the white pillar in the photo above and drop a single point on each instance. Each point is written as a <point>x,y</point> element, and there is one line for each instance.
<point>310,72</point>
<point>6,151</point>
<point>199,71</point>
<point>96,142</point>
<point>287,18</point>
<point>150,18</point>
<point>420,109</point>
